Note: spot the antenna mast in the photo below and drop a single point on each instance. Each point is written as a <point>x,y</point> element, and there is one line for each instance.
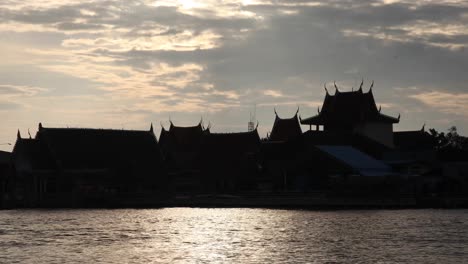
<point>251,124</point>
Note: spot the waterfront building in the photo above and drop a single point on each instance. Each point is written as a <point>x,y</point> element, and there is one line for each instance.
<point>353,112</point>
<point>230,161</point>
<point>5,178</point>
<point>87,167</point>
<point>285,129</point>
<point>181,148</point>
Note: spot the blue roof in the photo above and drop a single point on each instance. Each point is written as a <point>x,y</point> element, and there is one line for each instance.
<point>357,160</point>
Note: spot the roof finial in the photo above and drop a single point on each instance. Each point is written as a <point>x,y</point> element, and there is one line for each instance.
<point>399,115</point>
<point>18,135</point>
<point>325,86</point>
<point>274,109</point>
<point>336,87</point>
<point>151,127</point>
<point>256,125</point>
<point>423,127</point>
<point>162,126</point>
<point>201,121</point>
<point>29,133</point>
<point>362,82</point>
<point>40,126</point>
<point>297,110</point>
<point>372,85</point>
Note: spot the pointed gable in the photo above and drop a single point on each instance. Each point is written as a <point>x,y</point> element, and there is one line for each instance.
<point>181,138</point>
<point>285,129</point>
<point>31,154</point>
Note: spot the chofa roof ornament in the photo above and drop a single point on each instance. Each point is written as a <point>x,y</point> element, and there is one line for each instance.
<point>336,87</point>
<point>325,86</point>
<point>372,85</point>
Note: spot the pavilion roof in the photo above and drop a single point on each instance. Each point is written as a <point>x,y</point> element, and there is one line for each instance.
<point>285,128</point>
<point>182,138</point>
<point>349,108</point>
<point>78,148</point>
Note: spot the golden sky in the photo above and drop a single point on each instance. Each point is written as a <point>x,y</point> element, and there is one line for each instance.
<point>125,64</point>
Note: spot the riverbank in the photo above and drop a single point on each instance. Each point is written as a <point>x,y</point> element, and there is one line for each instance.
<point>284,200</point>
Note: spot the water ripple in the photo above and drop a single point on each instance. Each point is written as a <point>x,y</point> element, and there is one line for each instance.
<point>192,235</point>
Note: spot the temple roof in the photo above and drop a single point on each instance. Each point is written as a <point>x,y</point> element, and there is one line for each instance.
<point>231,143</point>
<point>178,137</point>
<point>356,160</point>
<point>285,128</point>
<point>78,148</point>
<point>413,140</point>
<point>31,150</point>
<point>361,142</point>
<point>349,108</point>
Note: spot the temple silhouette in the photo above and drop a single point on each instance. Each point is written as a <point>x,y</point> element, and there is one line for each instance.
<point>349,155</point>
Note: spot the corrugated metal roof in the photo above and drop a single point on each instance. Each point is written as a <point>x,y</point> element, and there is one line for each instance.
<point>357,160</point>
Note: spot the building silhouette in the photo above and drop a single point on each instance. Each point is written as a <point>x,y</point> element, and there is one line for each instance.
<point>354,112</point>
<point>80,167</point>
<point>352,157</point>
<point>181,148</point>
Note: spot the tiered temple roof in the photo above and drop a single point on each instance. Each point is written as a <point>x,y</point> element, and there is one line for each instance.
<point>285,129</point>
<point>348,108</point>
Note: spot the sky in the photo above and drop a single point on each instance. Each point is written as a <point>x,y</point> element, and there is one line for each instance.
<point>128,63</point>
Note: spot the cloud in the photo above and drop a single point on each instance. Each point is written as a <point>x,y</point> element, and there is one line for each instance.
<point>450,103</point>
<point>146,59</point>
<point>18,90</point>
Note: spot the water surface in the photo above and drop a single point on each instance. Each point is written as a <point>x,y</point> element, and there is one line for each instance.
<point>190,235</point>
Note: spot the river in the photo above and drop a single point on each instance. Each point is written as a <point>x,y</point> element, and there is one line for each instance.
<point>193,235</point>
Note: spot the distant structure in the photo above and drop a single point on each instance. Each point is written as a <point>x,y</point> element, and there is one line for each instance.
<point>251,124</point>
<point>285,129</point>
<point>181,148</point>
<point>354,112</point>
<point>181,139</point>
<point>77,167</point>
<point>229,161</point>
<point>352,158</point>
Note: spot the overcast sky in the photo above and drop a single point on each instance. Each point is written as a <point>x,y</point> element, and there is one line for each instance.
<point>125,64</point>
